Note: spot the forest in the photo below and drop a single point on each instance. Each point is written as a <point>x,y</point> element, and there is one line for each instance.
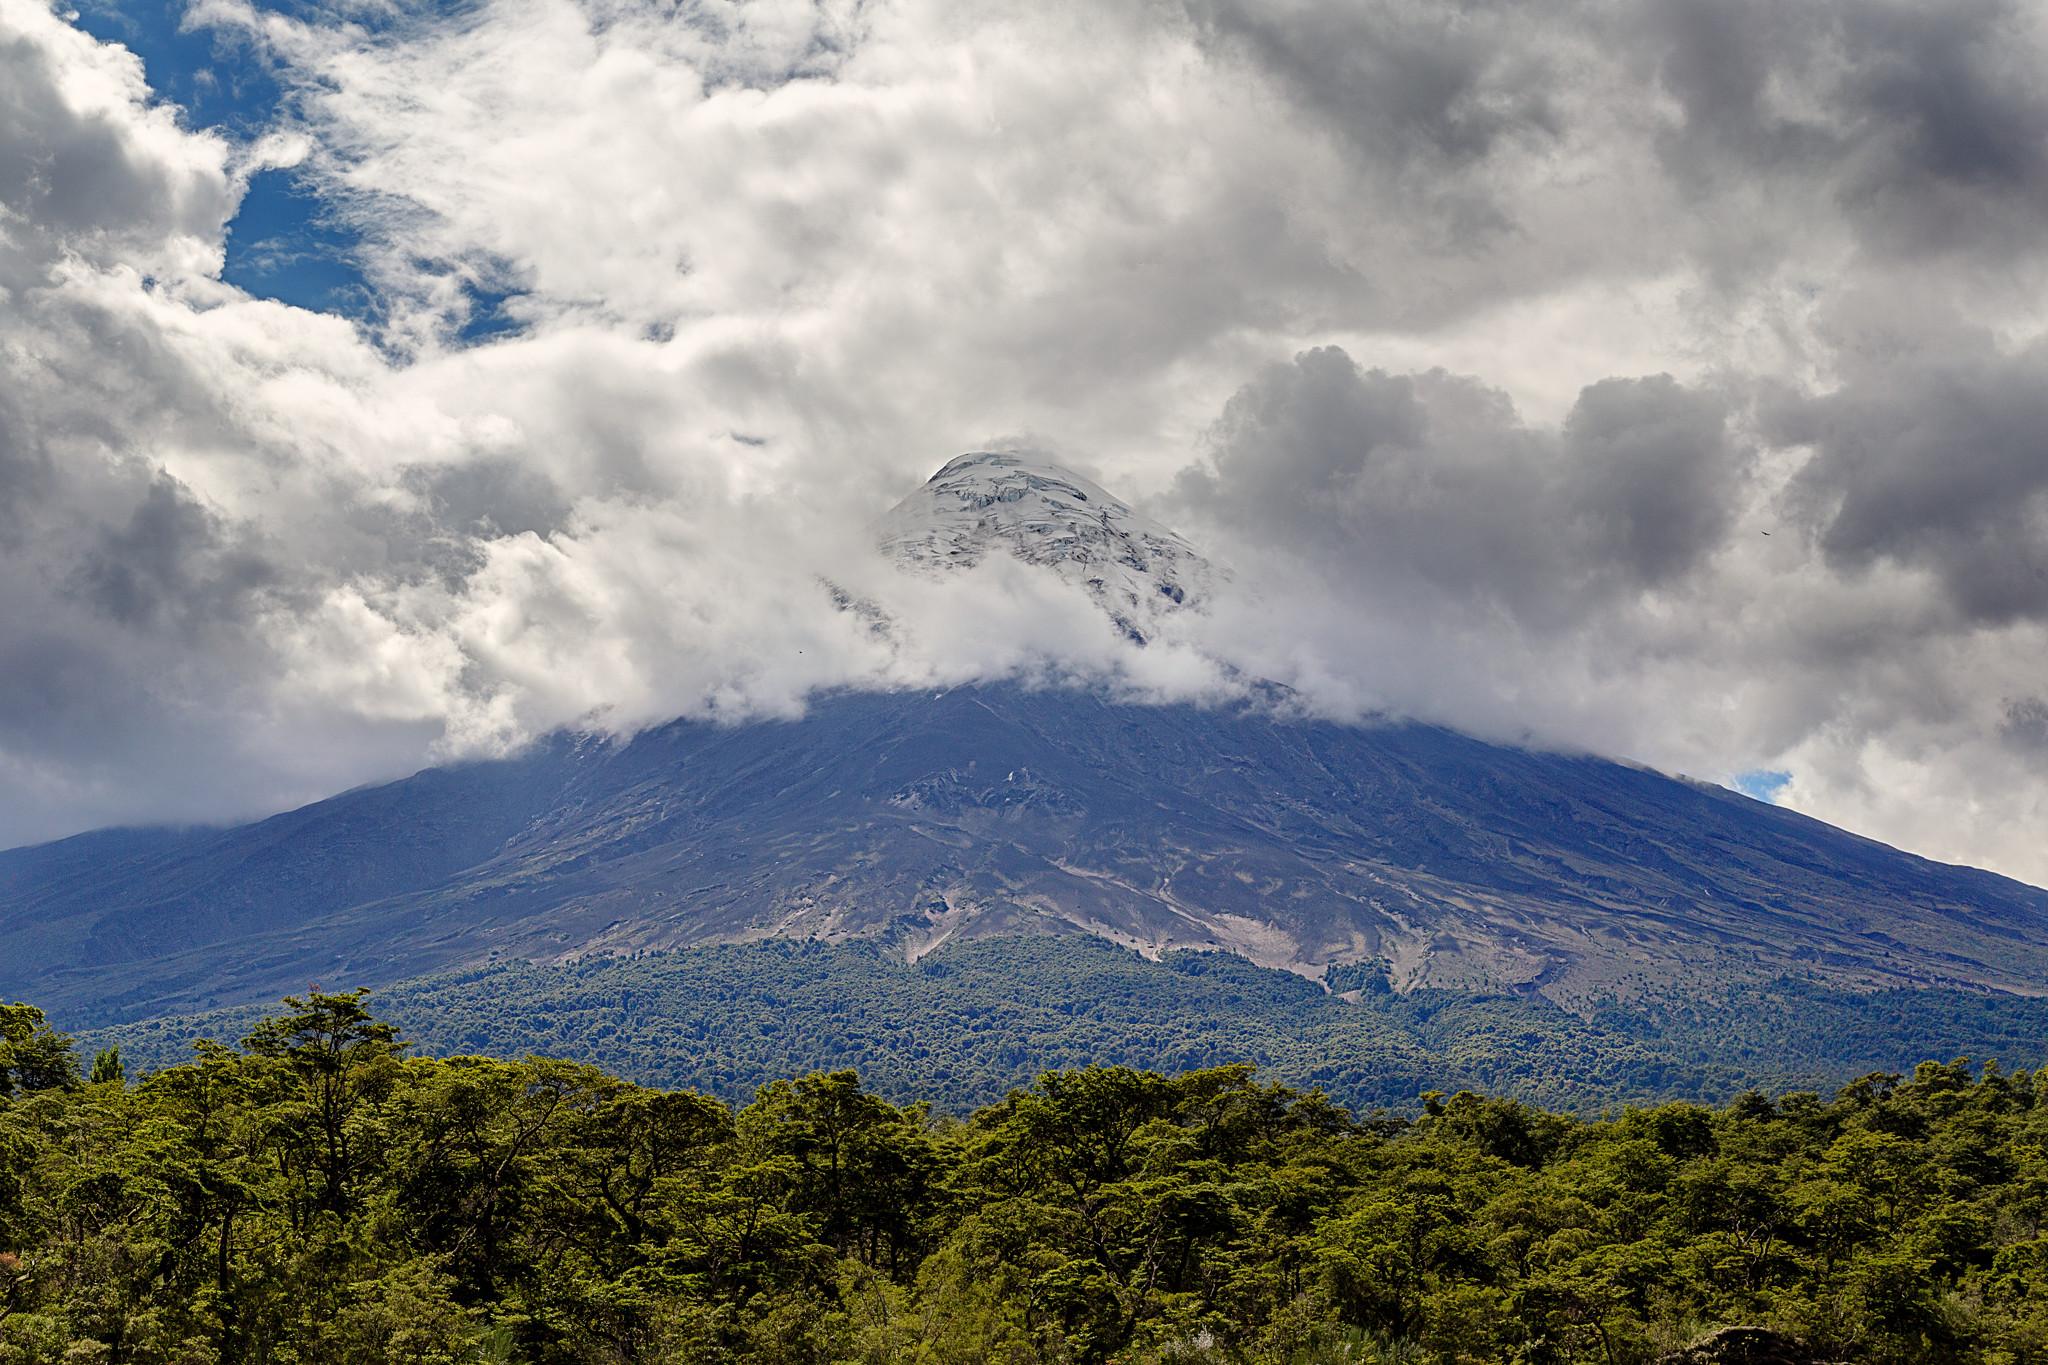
<point>964,1026</point>
<point>317,1194</point>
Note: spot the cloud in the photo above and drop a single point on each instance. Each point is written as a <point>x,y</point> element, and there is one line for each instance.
<point>1486,343</point>
<point>1936,458</point>
<point>1641,578</point>
<point>1425,93</point>
<point>2026,725</point>
<point>88,168</point>
<point>1431,484</point>
<point>1925,126</point>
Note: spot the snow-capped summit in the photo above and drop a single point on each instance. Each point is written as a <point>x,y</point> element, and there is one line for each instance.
<point>1039,513</point>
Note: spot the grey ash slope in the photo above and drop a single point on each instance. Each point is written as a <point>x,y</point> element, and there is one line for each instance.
<point>918,819</point>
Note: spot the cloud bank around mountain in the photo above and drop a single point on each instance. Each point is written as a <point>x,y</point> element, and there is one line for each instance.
<point>1662,378</point>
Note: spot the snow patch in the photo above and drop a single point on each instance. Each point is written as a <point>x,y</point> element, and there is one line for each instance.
<point>991,502</point>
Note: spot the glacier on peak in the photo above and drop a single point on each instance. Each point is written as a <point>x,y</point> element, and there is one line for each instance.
<point>1042,514</point>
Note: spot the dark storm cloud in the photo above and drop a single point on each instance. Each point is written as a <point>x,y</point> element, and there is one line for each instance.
<point>1924,127</point>
<point>1421,85</point>
<point>2026,725</point>
<point>1649,476</point>
<point>1424,95</point>
<point>72,696</point>
<point>1434,477</point>
<point>24,466</point>
<point>171,562</point>
<point>1936,460</point>
<point>1927,124</point>
<point>1721,62</point>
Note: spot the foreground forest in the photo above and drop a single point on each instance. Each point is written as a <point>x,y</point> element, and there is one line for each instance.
<point>317,1195</point>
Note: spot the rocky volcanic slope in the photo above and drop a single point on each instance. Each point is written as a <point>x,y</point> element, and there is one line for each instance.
<point>915,819</point>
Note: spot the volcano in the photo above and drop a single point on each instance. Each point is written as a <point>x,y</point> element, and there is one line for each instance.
<point>1419,856</point>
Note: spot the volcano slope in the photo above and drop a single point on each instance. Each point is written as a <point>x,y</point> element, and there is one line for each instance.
<point>1420,856</point>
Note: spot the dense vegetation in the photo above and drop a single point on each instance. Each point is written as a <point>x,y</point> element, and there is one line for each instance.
<point>966,1025</point>
<point>318,1195</point>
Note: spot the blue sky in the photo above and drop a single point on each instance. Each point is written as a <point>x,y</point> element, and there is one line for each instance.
<point>218,83</point>
<point>286,243</point>
<point>1763,783</point>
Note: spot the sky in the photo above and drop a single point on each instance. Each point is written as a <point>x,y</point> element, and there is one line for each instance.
<point>387,383</point>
